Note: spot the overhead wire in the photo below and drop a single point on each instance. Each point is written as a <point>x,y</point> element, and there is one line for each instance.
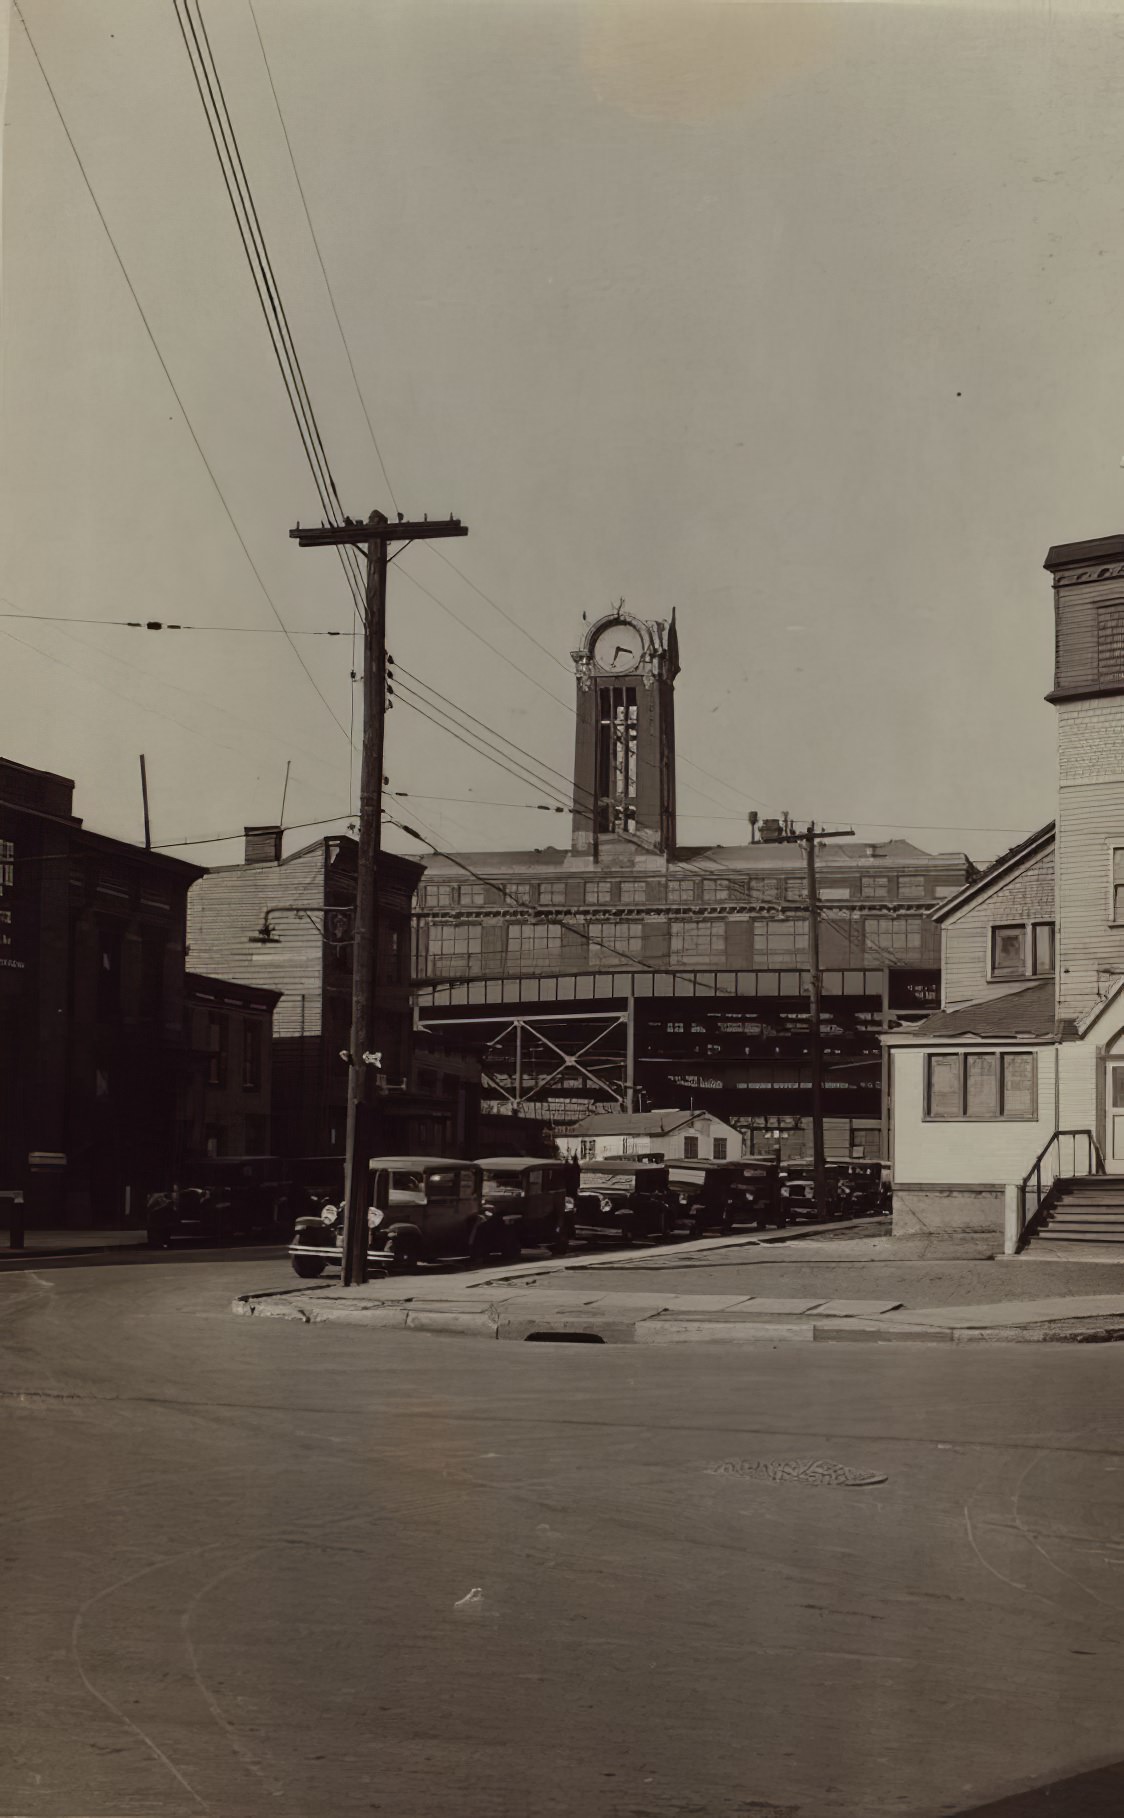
<point>168,376</point>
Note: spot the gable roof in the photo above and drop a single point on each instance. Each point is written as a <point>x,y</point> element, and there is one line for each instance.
<point>1026,1015</point>
<point>997,872</point>
<point>633,1123</point>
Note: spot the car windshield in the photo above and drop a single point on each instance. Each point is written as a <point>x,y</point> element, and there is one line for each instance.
<point>403,1181</point>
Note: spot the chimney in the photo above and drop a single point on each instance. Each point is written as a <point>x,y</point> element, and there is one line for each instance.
<point>263,845</point>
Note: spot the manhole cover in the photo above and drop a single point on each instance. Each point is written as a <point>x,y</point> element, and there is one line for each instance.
<point>798,1470</point>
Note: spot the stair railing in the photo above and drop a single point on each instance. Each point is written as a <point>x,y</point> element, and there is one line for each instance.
<point>1047,1169</point>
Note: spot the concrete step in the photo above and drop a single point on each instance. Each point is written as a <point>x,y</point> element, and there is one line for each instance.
<point>1078,1237</point>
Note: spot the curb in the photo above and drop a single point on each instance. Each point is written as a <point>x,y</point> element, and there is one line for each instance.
<point>503,1321</point>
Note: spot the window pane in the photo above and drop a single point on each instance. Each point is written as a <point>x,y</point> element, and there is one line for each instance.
<point>720,1148</point>
<point>1118,864</point>
<point>1118,1088</point>
<point>1008,951</point>
<point>944,1085</point>
<point>1018,1085</point>
<point>1043,948</point>
<point>981,1084</point>
<point>1118,903</point>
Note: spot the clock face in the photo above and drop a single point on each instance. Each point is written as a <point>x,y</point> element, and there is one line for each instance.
<point>618,647</point>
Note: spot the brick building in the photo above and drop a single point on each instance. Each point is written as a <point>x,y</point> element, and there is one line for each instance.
<point>631,971</point>
<point>284,923</point>
<point>226,1090</point>
<point>91,1005</point>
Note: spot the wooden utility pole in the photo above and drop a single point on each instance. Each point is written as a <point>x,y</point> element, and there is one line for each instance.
<point>144,799</point>
<point>773,832</point>
<point>363,1058</point>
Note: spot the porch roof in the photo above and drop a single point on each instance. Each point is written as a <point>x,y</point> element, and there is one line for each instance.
<point>1026,1015</point>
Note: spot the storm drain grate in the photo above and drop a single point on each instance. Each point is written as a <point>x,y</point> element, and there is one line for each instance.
<point>798,1470</point>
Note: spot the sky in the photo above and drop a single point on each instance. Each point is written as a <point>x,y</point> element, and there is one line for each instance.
<point>801,321</point>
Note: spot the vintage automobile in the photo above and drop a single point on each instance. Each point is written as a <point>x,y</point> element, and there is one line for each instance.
<point>528,1194</point>
<point>246,1196</point>
<point>423,1208</point>
<point>720,1195</point>
<point>214,1200</point>
<point>629,1199</point>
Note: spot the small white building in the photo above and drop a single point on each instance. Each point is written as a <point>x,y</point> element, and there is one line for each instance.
<point>662,1135</point>
<point>1017,1083</point>
<point>670,1136</point>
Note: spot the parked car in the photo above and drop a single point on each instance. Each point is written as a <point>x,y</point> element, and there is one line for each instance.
<point>423,1208</point>
<point>630,1199</point>
<point>529,1196</point>
<point>861,1190</point>
<point>214,1199</point>
<point>720,1195</point>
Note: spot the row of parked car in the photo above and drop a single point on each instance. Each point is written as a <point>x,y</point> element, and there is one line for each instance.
<point>425,1208</point>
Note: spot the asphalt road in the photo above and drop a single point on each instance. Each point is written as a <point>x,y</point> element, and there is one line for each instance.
<point>234,1552</point>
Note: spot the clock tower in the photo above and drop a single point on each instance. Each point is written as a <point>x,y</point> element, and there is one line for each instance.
<point>624,755</point>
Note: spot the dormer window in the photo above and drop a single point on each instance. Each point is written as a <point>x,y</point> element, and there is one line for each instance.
<point>1021,950</point>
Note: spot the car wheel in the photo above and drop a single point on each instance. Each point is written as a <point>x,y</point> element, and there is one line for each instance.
<point>156,1237</point>
<point>481,1246</point>
<point>308,1267</point>
<point>560,1242</point>
<point>403,1255</point>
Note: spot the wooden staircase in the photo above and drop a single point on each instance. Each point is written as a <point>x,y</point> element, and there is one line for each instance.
<point>1087,1210</point>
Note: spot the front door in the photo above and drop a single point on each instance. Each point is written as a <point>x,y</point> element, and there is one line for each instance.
<point>1114,1117</point>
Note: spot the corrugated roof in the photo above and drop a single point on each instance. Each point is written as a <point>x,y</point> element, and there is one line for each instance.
<point>1028,1014</point>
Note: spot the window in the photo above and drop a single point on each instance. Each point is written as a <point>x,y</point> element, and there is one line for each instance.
<point>795,890</point>
<point>442,896</point>
<point>715,890</point>
<point>1009,951</point>
<point>720,1143</point>
<point>109,973</point>
<point>518,893</point>
<point>783,942</point>
<point>1022,950</point>
<point>554,894</point>
<point>615,940</point>
<point>876,884</point>
<point>454,947</point>
<point>217,1032</point>
<point>634,890</point>
<point>588,1148</point>
<point>902,937</point>
<point>628,1145</point>
<point>599,891</point>
<point>1117,853</point>
<point>251,1055</point>
<point>690,1148</point>
<point>473,896</point>
<point>981,1086</point>
<point>533,942</point>
<point>680,890</point>
<point>764,889</point>
<point>912,888</point>
<point>698,941</point>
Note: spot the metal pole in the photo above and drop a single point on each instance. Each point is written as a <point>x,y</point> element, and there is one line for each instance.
<point>819,1164</point>
<point>630,1052</point>
<point>144,798</point>
<point>360,1087</point>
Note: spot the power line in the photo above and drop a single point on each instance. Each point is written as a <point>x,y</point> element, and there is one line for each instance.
<point>232,168</point>
<point>168,376</point>
<point>320,257</point>
<point>263,631</point>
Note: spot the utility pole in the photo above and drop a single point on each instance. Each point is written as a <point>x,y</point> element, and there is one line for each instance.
<point>782,834</point>
<point>374,537</point>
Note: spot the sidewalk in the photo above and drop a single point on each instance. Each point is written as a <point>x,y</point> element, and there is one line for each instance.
<point>70,1243</point>
<point>733,1291</point>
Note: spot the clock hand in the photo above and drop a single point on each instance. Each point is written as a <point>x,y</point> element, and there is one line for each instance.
<point>621,650</point>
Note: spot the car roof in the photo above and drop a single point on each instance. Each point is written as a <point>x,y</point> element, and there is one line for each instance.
<point>512,1163</point>
<point>419,1162</point>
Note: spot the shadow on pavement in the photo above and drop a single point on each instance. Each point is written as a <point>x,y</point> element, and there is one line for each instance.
<point>1099,1793</point>
<point>12,1261</point>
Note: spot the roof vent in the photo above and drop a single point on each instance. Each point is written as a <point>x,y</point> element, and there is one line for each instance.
<point>876,852</point>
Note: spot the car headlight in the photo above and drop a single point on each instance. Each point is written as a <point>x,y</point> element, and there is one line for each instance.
<point>606,1204</point>
<point>328,1215</point>
<point>374,1218</point>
